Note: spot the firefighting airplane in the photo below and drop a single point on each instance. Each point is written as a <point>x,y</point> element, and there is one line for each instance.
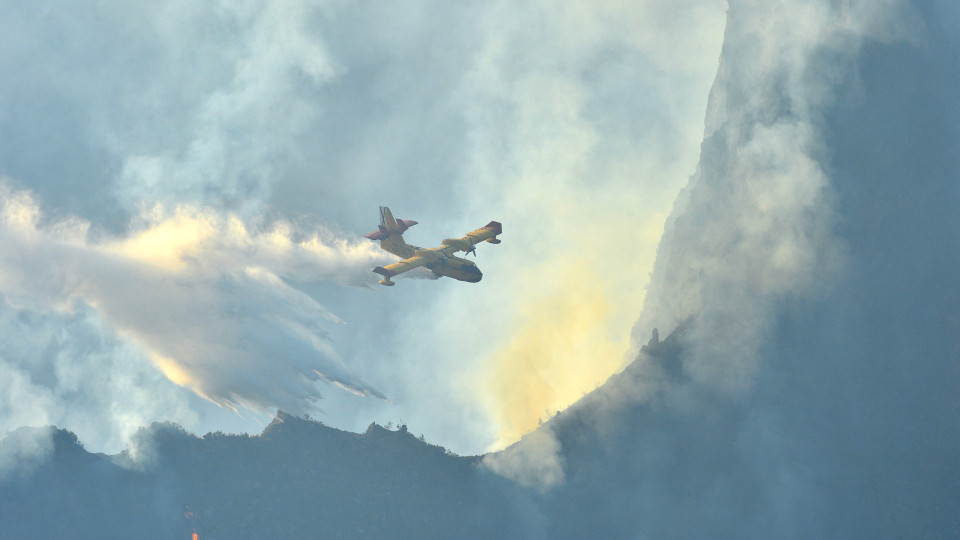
<point>440,260</point>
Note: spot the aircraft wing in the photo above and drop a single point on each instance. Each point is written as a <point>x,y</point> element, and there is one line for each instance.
<point>487,233</point>
<point>402,266</point>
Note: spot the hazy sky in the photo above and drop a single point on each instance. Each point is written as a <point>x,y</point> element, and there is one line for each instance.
<point>186,185</point>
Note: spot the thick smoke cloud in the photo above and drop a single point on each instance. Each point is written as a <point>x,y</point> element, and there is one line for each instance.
<point>163,102</point>
<point>754,225</point>
<point>243,121</point>
<point>543,116</point>
<point>23,449</point>
<point>595,128</point>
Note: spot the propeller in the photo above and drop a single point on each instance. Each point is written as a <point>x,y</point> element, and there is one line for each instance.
<point>473,249</point>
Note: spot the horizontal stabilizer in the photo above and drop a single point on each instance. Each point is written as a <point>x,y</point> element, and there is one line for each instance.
<point>384,272</point>
<point>389,226</point>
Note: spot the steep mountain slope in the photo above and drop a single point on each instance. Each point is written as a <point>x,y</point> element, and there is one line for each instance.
<point>71,493</point>
<point>812,388</point>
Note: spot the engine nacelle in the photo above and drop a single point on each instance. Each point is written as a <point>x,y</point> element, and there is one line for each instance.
<point>458,243</point>
<point>493,240</point>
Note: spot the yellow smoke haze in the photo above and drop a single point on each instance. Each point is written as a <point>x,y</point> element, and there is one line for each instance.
<point>574,322</point>
<point>165,242</point>
<point>19,210</point>
<point>175,372</point>
<point>582,195</point>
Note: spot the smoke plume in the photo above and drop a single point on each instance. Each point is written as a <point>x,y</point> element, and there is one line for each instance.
<point>208,299</point>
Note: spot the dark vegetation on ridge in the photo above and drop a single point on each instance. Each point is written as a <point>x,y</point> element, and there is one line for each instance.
<point>298,479</point>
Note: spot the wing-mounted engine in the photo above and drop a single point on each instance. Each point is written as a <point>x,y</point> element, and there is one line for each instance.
<point>459,243</point>
<point>496,228</point>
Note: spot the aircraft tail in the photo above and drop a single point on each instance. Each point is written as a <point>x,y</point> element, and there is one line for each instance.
<point>387,221</point>
<point>389,226</point>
